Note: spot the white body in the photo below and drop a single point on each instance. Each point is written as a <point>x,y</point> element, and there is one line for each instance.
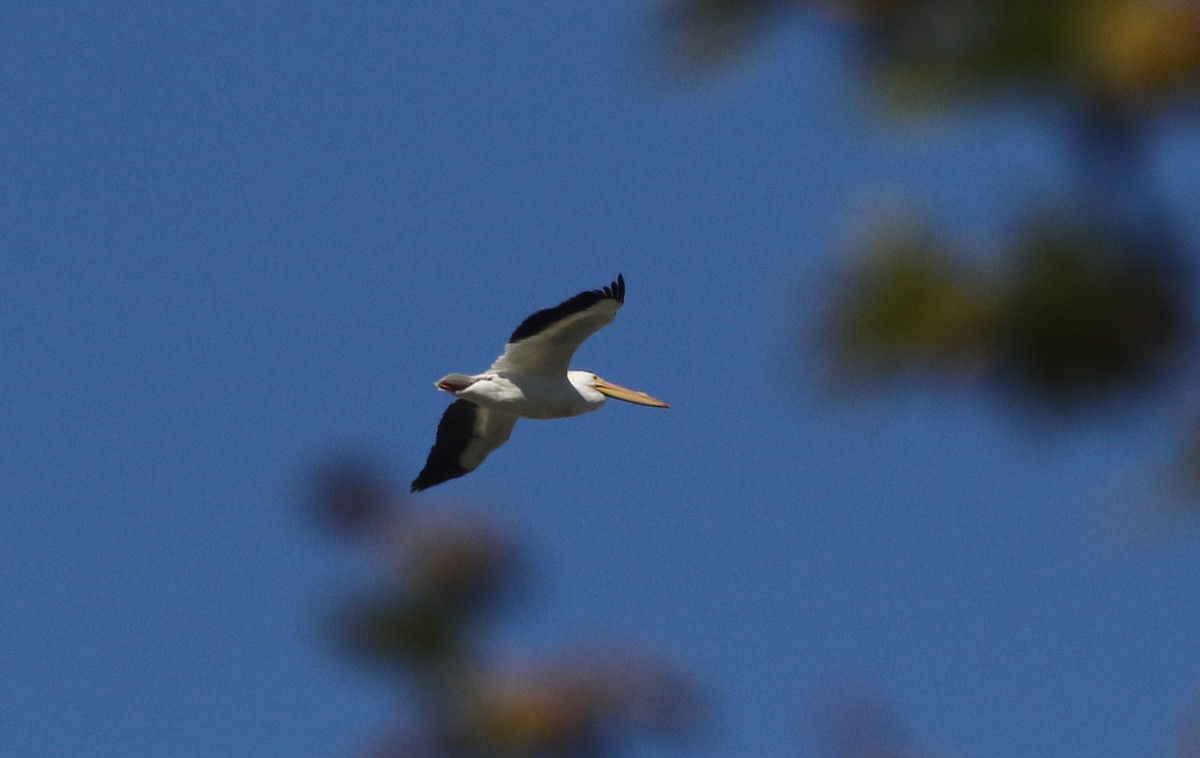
<point>533,395</point>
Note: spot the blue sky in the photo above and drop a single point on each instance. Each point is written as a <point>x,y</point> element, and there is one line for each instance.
<point>236,237</point>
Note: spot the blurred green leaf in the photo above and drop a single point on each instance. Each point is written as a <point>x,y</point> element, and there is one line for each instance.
<point>910,305</point>
<point>401,630</point>
<point>1083,317</point>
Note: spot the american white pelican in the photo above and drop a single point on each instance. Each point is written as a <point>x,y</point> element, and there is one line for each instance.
<point>530,380</point>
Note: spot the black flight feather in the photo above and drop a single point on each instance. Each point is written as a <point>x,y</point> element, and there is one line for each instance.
<point>454,433</point>
<point>581,302</point>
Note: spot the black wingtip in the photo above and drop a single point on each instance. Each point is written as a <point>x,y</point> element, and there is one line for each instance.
<point>618,288</point>
<point>543,318</point>
<point>430,477</point>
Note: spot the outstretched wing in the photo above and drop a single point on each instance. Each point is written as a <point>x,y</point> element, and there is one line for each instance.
<point>545,342</point>
<point>466,435</point>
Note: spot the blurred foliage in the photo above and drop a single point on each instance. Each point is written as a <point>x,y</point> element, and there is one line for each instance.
<point>1083,316</point>
<point>1133,51</point>
<point>440,580</point>
<point>910,304</point>
<point>423,623</point>
<point>1076,309</point>
<point>1072,319</point>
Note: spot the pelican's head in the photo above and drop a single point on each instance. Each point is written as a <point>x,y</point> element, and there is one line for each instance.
<point>586,381</point>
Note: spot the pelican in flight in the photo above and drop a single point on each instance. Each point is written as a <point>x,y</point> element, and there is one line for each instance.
<point>530,380</point>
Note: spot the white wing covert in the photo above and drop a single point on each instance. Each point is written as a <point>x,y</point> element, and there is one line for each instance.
<point>545,341</point>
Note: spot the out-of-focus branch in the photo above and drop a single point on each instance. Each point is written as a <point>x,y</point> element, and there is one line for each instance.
<point>423,621</point>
